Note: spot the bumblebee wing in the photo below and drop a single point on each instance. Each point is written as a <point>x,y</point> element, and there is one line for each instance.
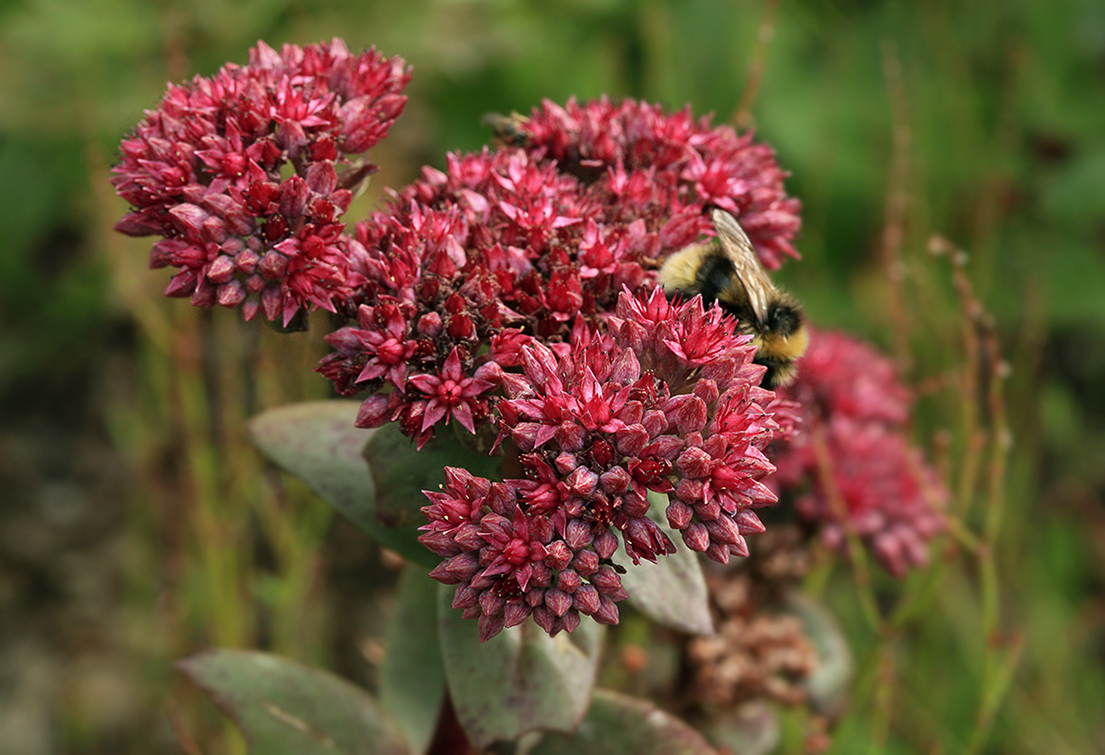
<point>750,272</point>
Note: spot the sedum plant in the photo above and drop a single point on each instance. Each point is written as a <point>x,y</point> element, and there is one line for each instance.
<point>537,430</point>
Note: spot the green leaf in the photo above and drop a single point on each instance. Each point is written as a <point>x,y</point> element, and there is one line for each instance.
<point>412,678</point>
<point>518,681</point>
<point>750,729</point>
<point>317,442</point>
<point>827,687</point>
<point>673,590</point>
<point>401,472</point>
<point>617,723</point>
<point>284,707</point>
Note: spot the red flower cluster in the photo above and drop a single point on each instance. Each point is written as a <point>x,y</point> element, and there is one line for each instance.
<point>509,563</point>
<point>841,376</point>
<point>854,409</point>
<point>461,272</point>
<point>511,245</point>
<point>666,168</point>
<point>666,401</point>
<point>488,294</point>
<point>205,171</point>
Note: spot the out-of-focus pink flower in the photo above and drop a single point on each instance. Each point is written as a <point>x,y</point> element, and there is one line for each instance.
<point>841,375</point>
<point>887,492</point>
<point>207,170</point>
<point>852,469</point>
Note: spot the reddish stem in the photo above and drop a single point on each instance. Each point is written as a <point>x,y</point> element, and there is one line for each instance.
<point>449,737</point>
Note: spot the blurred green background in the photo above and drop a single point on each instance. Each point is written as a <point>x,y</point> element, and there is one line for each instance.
<point>136,525</point>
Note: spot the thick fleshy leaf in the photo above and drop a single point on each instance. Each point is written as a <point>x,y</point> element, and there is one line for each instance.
<point>518,681</point>
<point>317,442</point>
<point>827,687</point>
<point>751,729</point>
<point>286,708</point>
<point>401,472</point>
<point>412,678</point>
<point>673,590</point>
<point>620,724</point>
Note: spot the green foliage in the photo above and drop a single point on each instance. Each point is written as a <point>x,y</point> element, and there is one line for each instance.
<point>401,472</point>
<point>318,443</point>
<point>520,680</point>
<point>617,723</point>
<point>412,679</point>
<point>673,590</point>
<point>286,708</point>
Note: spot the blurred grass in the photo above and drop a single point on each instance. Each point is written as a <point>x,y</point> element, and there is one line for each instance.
<point>981,122</point>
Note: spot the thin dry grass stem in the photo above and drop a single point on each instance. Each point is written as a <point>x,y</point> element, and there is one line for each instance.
<point>884,698</point>
<point>924,590</point>
<point>294,527</point>
<point>999,671</point>
<point>985,443</point>
<point>935,384</point>
<point>210,379</point>
<point>857,556</point>
<point>216,516</point>
<point>989,444</point>
<point>961,533</point>
<point>897,204</point>
<point>1003,649</point>
<point>187,743</point>
<point>742,115</point>
<point>1002,445</point>
<point>941,454</point>
<point>974,437</point>
<point>214,607</point>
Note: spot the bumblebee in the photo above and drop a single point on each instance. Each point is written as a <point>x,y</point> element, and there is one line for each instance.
<point>508,130</point>
<point>727,271</point>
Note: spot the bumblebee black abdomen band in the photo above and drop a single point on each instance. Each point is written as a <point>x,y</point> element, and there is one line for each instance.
<point>713,276</point>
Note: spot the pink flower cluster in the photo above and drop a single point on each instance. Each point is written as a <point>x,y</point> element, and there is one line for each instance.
<point>855,409</point>
<point>506,294</point>
<point>667,167</point>
<point>509,563</point>
<point>510,245</point>
<point>455,285</point>
<point>666,400</point>
<point>206,171</point>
